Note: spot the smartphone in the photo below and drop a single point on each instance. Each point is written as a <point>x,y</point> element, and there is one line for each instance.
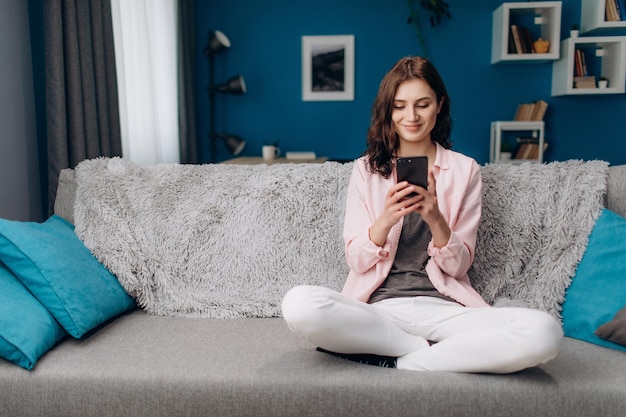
<point>413,169</point>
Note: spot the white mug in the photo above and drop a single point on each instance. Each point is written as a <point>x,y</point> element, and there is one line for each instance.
<point>270,152</point>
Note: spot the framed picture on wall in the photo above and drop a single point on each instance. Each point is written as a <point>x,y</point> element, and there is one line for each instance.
<point>328,68</point>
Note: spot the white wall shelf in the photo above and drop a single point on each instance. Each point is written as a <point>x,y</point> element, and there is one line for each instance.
<point>535,127</point>
<point>592,18</point>
<point>544,14</point>
<point>610,54</point>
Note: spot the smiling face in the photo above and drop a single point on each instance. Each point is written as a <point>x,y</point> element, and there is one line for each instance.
<point>414,116</point>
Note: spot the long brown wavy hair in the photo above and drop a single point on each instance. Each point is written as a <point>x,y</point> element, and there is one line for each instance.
<point>382,140</point>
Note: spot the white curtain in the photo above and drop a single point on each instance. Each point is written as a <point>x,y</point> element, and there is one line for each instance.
<point>145,34</point>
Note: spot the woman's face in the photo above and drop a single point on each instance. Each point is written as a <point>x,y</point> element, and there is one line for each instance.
<point>414,114</point>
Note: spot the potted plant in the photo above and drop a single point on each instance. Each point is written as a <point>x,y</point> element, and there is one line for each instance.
<point>505,151</point>
<point>603,82</point>
<point>573,33</point>
<point>436,10</point>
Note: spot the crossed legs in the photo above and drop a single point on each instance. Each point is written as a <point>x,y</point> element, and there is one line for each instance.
<point>495,340</point>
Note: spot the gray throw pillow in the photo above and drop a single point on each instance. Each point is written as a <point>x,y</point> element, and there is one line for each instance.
<point>614,330</point>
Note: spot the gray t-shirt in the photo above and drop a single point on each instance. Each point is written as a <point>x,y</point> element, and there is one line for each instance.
<point>408,277</point>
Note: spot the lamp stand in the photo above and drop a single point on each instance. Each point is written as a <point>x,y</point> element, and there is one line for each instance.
<point>236,85</point>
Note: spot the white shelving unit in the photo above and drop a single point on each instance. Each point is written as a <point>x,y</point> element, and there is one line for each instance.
<point>546,14</point>
<point>535,127</point>
<point>611,50</point>
<point>592,15</point>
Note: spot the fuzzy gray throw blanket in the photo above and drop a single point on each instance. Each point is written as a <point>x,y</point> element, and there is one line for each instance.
<point>534,230</point>
<point>229,241</point>
<point>221,241</point>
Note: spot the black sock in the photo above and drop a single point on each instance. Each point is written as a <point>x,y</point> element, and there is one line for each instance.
<point>366,358</point>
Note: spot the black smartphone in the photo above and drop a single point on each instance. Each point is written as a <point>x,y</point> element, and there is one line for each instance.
<point>413,169</point>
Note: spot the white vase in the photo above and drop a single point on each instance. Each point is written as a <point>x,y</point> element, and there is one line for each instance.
<point>603,83</point>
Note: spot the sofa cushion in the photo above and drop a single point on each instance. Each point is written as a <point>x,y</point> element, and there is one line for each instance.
<point>62,273</point>
<point>144,365</point>
<point>27,330</point>
<point>598,289</point>
<point>615,330</point>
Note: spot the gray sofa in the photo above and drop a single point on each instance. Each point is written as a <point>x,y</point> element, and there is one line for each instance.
<point>141,364</point>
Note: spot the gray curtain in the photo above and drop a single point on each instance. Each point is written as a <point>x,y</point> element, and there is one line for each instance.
<point>82,113</point>
<point>187,82</point>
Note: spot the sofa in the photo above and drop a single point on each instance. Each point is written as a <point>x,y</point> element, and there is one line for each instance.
<point>194,349</point>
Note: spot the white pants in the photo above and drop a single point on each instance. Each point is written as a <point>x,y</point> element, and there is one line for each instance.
<point>494,340</point>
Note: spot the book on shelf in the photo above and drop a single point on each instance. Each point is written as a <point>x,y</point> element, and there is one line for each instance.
<point>585,82</point>
<point>524,110</point>
<point>614,10</point>
<point>535,152</point>
<point>529,148</point>
<point>539,110</point>
<point>609,14</point>
<point>621,9</point>
<point>527,41</point>
<point>524,151</point>
<point>517,39</point>
<point>531,111</point>
<point>580,64</point>
<point>512,48</point>
<point>520,41</point>
<point>583,63</point>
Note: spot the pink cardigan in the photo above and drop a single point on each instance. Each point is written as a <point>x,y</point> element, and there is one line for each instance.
<point>459,197</point>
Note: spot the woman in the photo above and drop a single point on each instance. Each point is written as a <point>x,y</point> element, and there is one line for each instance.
<point>408,294</point>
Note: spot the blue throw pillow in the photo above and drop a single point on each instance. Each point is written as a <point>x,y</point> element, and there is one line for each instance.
<point>598,289</point>
<point>55,265</point>
<point>27,330</point>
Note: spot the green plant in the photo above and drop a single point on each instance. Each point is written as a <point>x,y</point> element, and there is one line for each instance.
<point>436,10</point>
<point>506,147</point>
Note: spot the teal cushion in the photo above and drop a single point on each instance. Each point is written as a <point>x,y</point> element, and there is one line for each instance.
<point>54,264</point>
<point>27,330</point>
<point>598,289</point>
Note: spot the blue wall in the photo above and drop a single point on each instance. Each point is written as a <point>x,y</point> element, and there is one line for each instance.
<point>266,38</point>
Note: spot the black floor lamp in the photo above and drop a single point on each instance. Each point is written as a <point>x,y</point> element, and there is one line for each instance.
<point>236,85</point>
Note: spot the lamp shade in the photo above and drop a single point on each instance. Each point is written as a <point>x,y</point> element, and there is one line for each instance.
<point>235,144</point>
<point>235,85</point>
<point>217,42</point>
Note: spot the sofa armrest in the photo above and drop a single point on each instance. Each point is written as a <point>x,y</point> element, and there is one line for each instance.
<point>616,189</point>
<point>66,195</point>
